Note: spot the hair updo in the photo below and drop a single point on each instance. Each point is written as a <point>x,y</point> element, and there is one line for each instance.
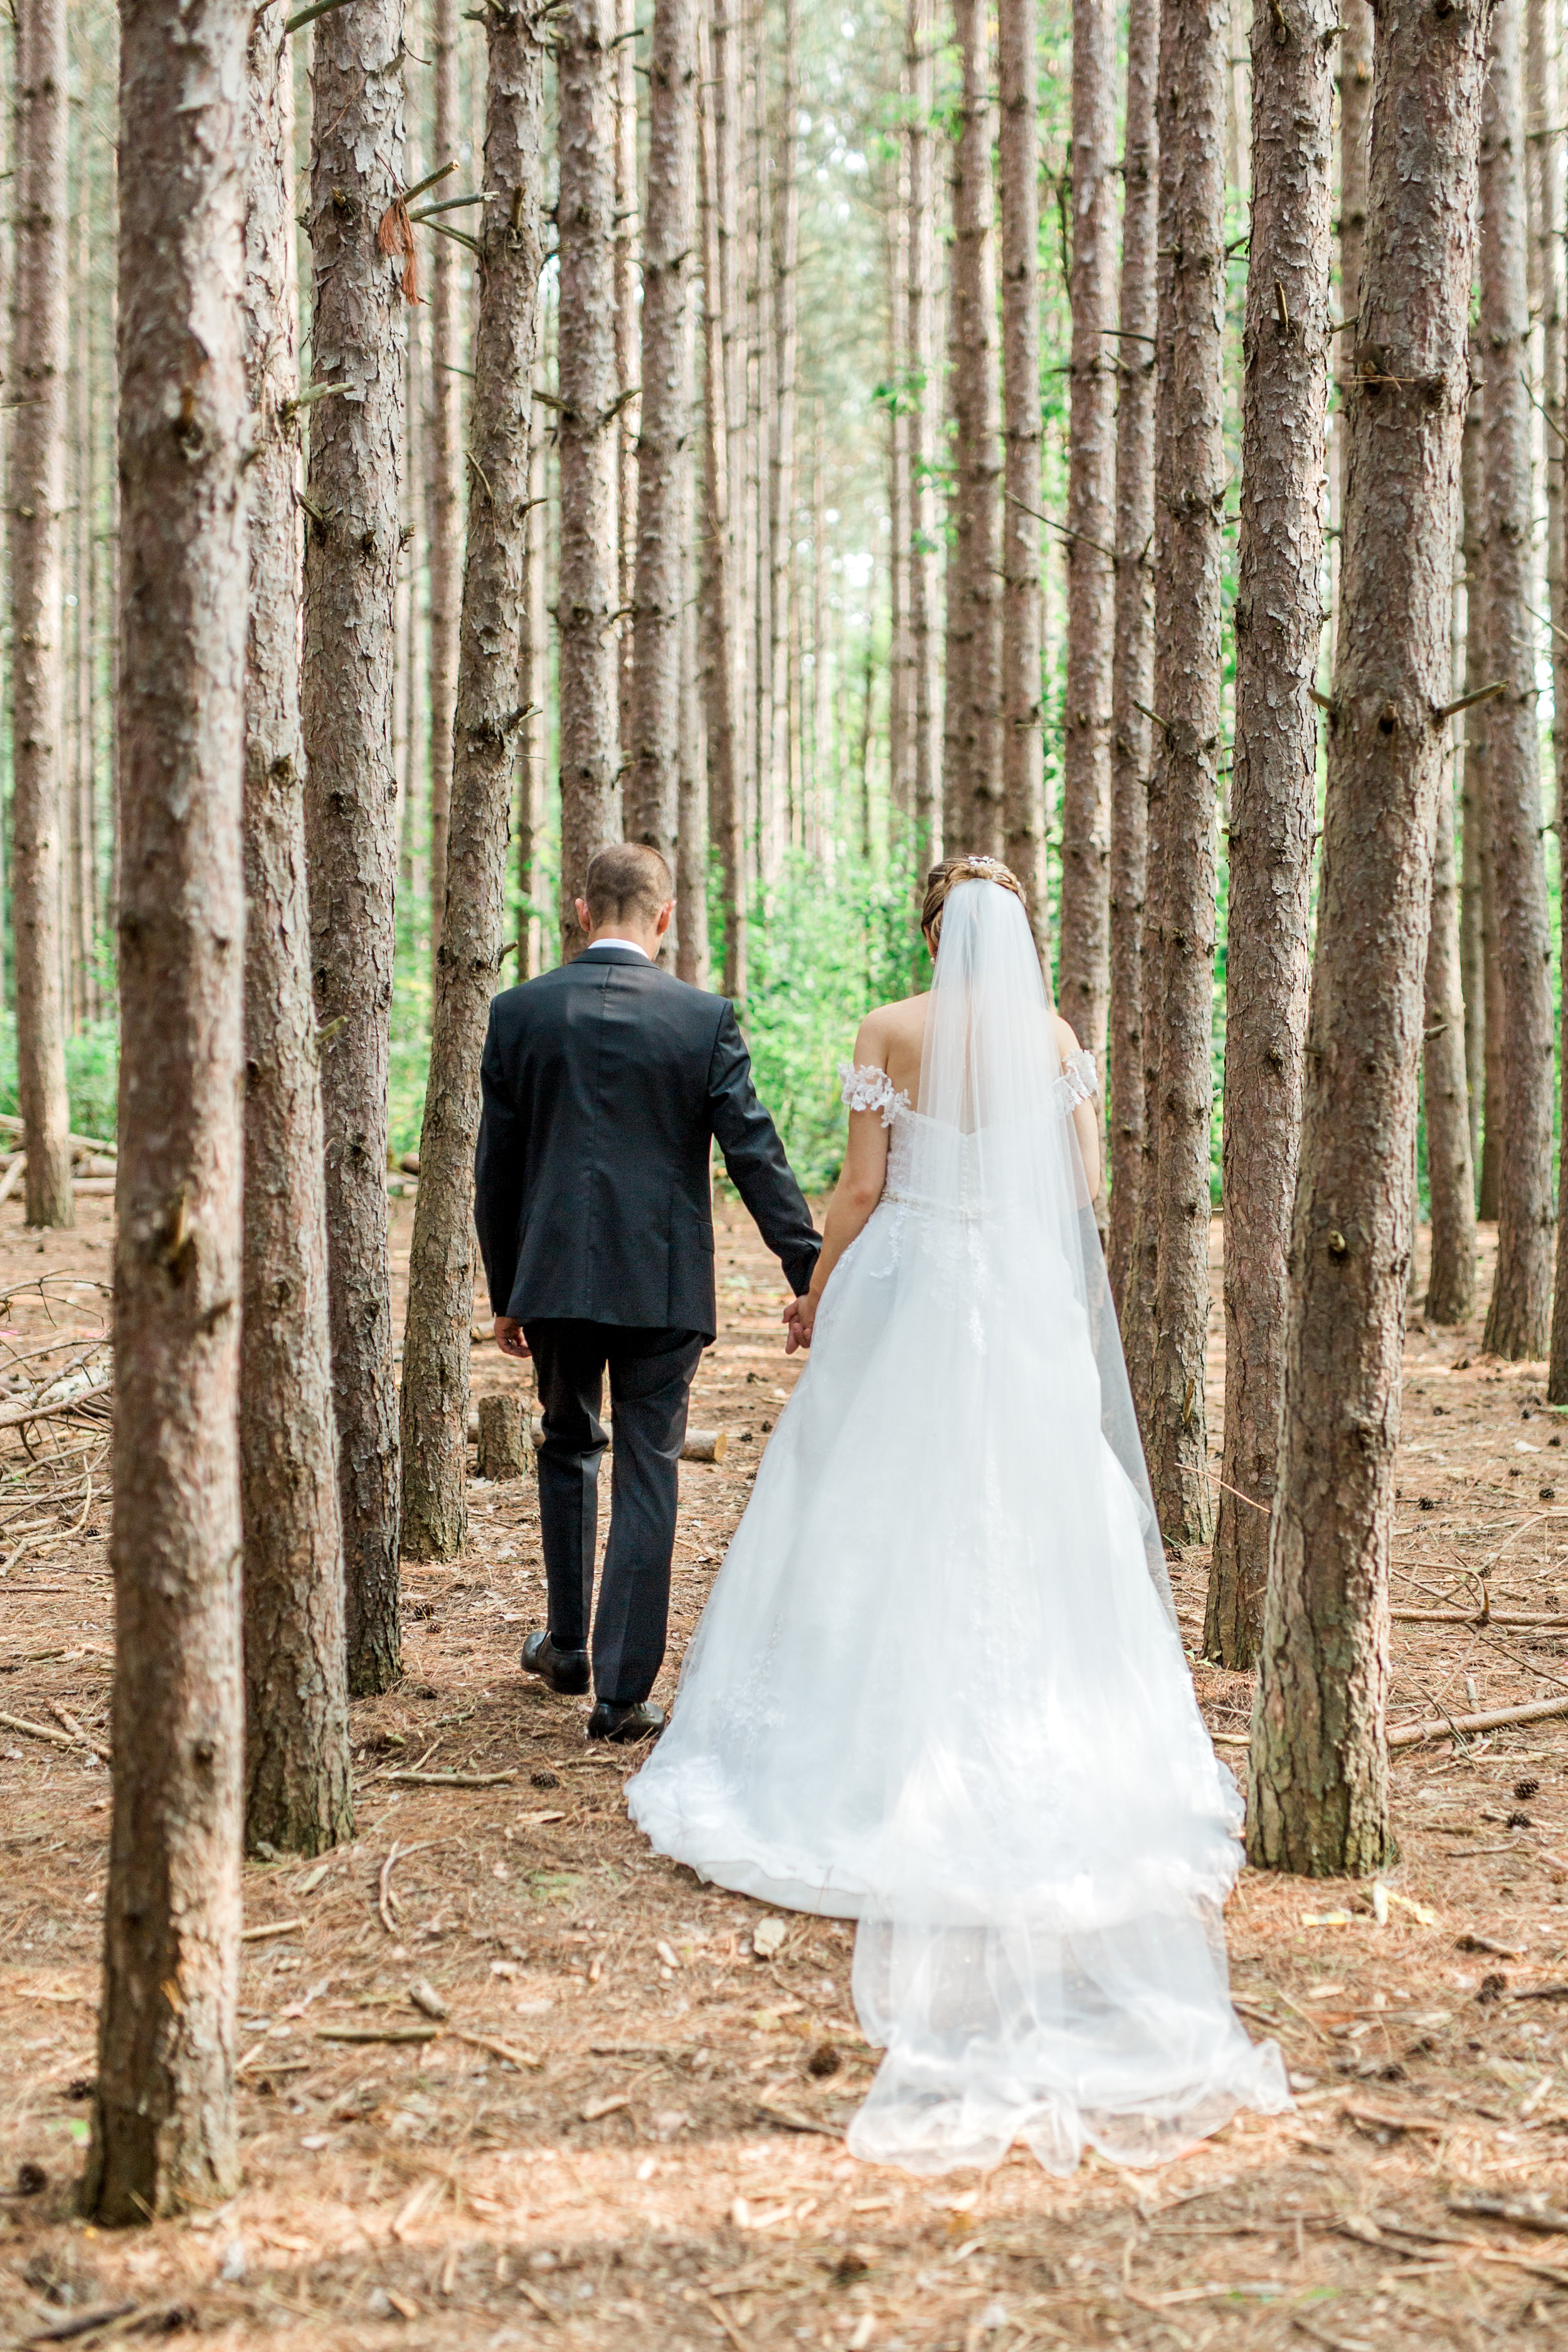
<point>949,874</point>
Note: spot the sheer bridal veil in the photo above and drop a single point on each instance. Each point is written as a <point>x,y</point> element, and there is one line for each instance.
<point>1040,1951</point>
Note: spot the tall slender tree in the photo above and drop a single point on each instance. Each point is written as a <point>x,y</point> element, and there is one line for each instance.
<point>1319,1768</point>
<point>1451,1172</point>
<point>164,2123</point>
<point>358,229</point>
<point>785,229</point>
<point>627,358</point>
<point>1189,418</point>
<point>1520,1312</point>
<point>900,682</point>
<point>1471,725</point>
<point>35,550</point>
<point>299,1792</point>
<point>434,1400</point>
<point>1083,977</point>
<point>972,778</point>
<point>1022,760</point>
<point>725,810</point>
<point>1356,24</point>
<point>653,782</point>
<point>587,598</point>
<point>1274,780</point>
<point>443,455</point>
<point>1132,656</point>
<point>919,38</point>
<point>534,688</point>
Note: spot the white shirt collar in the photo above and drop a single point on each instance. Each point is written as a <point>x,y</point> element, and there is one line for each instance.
<point>608,942</point>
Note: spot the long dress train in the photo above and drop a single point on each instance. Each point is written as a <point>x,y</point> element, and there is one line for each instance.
<point>938,1687</point>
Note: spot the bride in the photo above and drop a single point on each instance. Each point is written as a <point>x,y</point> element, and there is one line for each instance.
<point>938,1687</point>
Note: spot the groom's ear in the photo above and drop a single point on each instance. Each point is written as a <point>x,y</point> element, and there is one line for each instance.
<point>661,923</point>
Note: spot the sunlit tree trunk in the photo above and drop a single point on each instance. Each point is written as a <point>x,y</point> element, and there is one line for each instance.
<point>925,400</point>
<point>1318,1799</point>
<point>298,1791</point>
<point>443,455</point>
<point>629,365</point>
<point>587,598</point>
<point>1189,418</point>
<point>351,801</point>
<point>1273,796</point>
<point>971,770</point>
<point>35,550</point>
<point>900,681</point>
<point>1021,762</point>
<point>533,695</point>
<point>1451,1172</point>
<point>719,652</point>
<point>1132,659</point>
<point>786,257</point>
<point>1084,976</point>
<point>1356,25</point>
<point>435,1397</point>
<point>1471,728</point>
<point>1519,1316</point>
<point>163,2131</point>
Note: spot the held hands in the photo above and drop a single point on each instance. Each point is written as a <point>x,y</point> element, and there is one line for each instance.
<point>509,1337</point>
<point>799,1319</point>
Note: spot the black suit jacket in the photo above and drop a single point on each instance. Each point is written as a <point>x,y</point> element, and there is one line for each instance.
<point>604,1083</point>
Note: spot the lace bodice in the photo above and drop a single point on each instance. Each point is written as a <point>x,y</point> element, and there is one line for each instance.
<point>866,1087</point>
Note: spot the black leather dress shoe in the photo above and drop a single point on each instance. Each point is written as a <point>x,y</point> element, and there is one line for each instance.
<point>564,1670</point>
<point>625,1724</point>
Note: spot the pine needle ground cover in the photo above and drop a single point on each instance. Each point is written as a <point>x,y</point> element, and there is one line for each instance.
<point>507,2079</point>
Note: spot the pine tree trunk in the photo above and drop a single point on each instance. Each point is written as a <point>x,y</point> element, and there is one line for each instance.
<point>925,397</point>
<point>298,1791</point>
<point>164,2134</point>
<point>900,681</point>
<point>1356,25</point>
<point>653,784</point>
<point>1318,1799</point>
<point>786,231</point>
<point>442,473</point>
<point>1557,1372</point>
<point>36,553</point>
<point>533,694</point>
<point>1022,757</point>
<point>351,830</point>
<point>1451,1172</point>
<point>434,1400</point>
<point>971,767</point>
<point>586,598</point>
<point>718,654</point>
<point>628,373</point>
<point>1273,797</point>
<point>761,827</point>
<point>1189,417</point>
<point>1472,726</point>
<point>1133,643</point>
<point>691,831</point>
<point>1083,981</point>
<point>1519,1316</point>
<point>1545,94</point>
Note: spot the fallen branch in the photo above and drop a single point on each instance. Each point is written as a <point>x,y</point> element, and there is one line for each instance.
<point>387,1904</point>
<point>450,1779</point>
<point>1413,1735</point>
<point>63,1715</point>
<point>36,1730</point>
<point>12,1416</point>
<point>1472,1617</point>
<point>378,2033</point>
<point>1544,2218</point>
<point>274,1927</point>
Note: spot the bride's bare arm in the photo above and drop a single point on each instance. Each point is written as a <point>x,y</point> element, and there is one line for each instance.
<point>1086,1127</point>
<point>855,1194</point>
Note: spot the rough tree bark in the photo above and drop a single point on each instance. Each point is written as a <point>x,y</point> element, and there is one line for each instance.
<point>1451,1172</point>
<point>901,683</point>
<point>1022,749</point>
<point>920,38</point>
<point>1083,980</point>
<point>653,782</point>
<point>1319,1766</point>
<point>534,688</point>
<point>1520,1313</point>
<point>1189,417</point>
<point>629,366</point>
<point>1273,796</point>
<point>1472,726</point>
<point>299,1784</point>
<point>785,234</point>
<point>35,503</point>
<point>435,1402</point>
<point>351,797</point>
<point>972,778</point>
<point>1132,656</point>
<point>726,810</point>
<point>163,2131</point>
<point>1356,25</point>
<point>691,830</point>
<point>587,596</point>
<point>443,474</point>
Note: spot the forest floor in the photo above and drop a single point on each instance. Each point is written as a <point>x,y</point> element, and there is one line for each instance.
<point>628,2126</point>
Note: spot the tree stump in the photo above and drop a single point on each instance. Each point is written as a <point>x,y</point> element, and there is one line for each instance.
<point>504,1448</point>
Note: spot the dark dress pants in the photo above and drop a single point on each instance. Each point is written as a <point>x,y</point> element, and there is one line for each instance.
<point>650,1378</point>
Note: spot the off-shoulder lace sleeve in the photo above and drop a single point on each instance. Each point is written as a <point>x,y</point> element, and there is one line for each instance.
<point>1079,1080</point>
<point>867,1088</point>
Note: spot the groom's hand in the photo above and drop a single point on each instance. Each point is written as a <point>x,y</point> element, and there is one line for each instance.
<point>509,1336</point>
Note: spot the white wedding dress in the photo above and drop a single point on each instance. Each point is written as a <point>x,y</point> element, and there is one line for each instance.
<point>938,1687</point>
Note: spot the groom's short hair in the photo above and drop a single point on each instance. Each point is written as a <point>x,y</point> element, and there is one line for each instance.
<point>627,879</point>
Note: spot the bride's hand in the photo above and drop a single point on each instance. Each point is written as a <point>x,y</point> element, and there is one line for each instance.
<point>799,1317</point>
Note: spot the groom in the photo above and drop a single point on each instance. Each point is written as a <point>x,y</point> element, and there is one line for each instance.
<point>605,1083</point>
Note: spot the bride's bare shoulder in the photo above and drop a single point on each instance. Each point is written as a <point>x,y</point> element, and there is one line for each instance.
<point>891,1027</point>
